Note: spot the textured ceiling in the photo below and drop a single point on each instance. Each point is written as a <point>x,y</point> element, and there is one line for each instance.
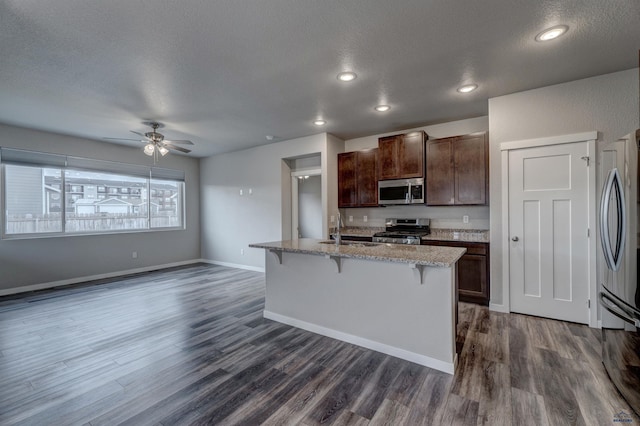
<point>226,73</point>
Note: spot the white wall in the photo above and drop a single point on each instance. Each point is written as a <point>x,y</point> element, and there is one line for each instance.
<point>441,217</point>
<point>43,260</point>
<point>230,222</point>
<point>607,103</point>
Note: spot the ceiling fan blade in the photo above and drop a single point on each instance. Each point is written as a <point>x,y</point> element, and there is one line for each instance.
<point>177,148</point>
<point>139,134</point>
<point>122,139</point>
<point>179,142</point>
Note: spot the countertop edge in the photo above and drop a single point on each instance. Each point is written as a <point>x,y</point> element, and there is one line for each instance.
<point>363,256</point>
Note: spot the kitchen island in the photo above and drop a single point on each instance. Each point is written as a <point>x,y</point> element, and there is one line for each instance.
<point>395,299</point>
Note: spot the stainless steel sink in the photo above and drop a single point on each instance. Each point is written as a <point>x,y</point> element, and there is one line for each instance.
<point>352,243</point>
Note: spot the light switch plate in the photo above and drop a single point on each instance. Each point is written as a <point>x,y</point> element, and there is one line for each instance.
<point>365,219</point>
<point>465,219</point>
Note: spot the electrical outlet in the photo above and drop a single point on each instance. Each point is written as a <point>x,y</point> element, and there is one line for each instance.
<point>242,251</point>
<point>350,218</point>
<point>365,219</point>
<point>250,191</point>
<point>332,219</point>
<point>465,219</point>
<point>134,254</point>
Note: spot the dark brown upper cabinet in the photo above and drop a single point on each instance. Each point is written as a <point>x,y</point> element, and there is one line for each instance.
<point>367,177</point>
<point>358,178</point>
<point>347,192</point>
<point>401,156</point>
<point>458,170</point>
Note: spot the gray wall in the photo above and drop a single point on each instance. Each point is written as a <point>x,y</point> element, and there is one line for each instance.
<point>442,217</point>
<point>230,221</point>
<point>44,260</point>
<point>607,103</point>
<point>310,207</point>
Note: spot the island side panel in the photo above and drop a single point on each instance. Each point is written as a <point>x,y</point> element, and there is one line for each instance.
<point>381,302</point>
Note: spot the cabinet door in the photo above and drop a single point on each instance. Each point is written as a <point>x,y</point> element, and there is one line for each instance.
<point>440,172</point>
<point>472,279</point>
<point>473,271</point>
<point>367,177</point>
<point>411,155</point>
<point>388,157</point>
<point>471,169</point>
<point>347,194</point>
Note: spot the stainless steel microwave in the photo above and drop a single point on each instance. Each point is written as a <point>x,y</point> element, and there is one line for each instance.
<point>401,191</point>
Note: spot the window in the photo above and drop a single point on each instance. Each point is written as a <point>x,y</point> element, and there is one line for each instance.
<point>32,204</point>
<point>115,213</point>
<point>98,196</point>
<point>166,212</point>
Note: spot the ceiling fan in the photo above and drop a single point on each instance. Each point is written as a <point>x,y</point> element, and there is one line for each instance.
<point>154,141</point>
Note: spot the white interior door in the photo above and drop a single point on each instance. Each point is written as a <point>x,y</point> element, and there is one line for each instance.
<point>548,231</point>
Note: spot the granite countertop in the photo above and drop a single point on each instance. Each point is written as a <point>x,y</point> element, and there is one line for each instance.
<point>360,231</point>
<point>465,235</point>
<point>437,234</point>
<point>419,255</point>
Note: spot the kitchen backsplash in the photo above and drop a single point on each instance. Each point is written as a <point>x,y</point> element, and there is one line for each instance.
<point>441,217</point>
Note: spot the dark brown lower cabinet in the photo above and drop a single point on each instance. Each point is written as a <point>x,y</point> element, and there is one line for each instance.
<point>473,271</point>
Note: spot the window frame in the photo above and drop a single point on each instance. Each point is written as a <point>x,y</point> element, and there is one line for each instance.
<point>165,174</point>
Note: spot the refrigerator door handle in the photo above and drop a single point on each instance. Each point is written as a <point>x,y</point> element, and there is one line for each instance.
<point>620,303</point>
<point>613,183</point>
<point>610,305</point>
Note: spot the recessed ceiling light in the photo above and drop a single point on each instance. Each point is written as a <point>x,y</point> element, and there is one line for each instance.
<point>467,88</point>
<point>347,76</point>
<point>319,122</point>
<point>551,33</point>
<point>382,108</point>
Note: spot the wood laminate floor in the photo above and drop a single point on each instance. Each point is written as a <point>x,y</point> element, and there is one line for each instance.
<point>190,346</point>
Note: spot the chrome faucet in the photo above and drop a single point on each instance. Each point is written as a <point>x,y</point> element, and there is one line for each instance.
<point>337,235</point>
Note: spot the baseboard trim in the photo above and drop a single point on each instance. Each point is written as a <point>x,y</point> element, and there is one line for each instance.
<point>498,308</point>
<point>365,343</point>
<point>233,265</point>
<point>61,283</point>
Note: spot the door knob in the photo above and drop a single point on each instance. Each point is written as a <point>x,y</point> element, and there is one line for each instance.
<point>515,239</point>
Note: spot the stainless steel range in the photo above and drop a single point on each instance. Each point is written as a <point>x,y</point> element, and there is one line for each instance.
<point>403,231</point>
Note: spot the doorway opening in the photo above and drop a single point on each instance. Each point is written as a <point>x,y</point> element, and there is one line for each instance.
<point>306,204</point>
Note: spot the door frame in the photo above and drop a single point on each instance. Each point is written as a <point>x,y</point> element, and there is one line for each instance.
<point>505,147</point>
<point>294,196</point>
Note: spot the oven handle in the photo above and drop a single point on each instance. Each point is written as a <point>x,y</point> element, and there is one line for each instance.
<point>610,305</point>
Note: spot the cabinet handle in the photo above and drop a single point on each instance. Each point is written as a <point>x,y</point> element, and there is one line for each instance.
<point>515,239</point>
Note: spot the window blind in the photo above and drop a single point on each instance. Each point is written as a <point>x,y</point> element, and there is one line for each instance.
<point>31,158</point>
<point>43,159</point>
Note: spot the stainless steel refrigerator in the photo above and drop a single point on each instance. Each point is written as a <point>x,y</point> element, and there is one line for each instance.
<point>619,291</point>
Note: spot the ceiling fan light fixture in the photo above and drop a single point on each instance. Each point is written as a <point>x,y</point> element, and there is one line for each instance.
<point>149,149</point>
<point>163,151</point>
